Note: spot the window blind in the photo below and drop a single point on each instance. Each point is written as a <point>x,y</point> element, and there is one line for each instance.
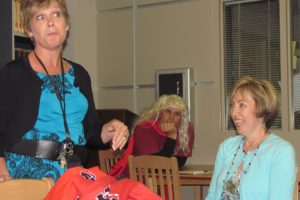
<point>295,20</point>
<point>252,46</point>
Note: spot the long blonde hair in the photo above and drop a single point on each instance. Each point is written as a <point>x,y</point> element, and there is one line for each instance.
<point>152,113</point>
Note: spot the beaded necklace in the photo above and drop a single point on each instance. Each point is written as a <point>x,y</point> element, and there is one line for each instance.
<point>231,185</point>
<point>235,155</point>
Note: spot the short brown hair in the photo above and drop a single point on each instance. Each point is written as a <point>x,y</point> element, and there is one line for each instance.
<point>30,7</point>
<point>263,93</point>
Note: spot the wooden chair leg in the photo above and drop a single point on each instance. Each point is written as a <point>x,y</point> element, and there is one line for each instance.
<point>198,193</point>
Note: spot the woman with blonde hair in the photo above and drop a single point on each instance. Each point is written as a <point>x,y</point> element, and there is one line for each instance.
<point>169,117</point>
<point>162,129</point>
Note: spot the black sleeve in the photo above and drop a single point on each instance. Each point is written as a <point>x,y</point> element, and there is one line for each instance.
<point>168,148</point>
<point>5,110</point>
<point>181,161</point>
<point>91,122</point>
<point>168,151</point>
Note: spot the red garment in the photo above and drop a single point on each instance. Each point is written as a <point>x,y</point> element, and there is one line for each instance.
<point>147,139</point>
<point>121,165</point>
<point>85,184</point>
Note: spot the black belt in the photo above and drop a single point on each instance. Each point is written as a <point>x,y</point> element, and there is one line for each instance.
<point>44,149</point>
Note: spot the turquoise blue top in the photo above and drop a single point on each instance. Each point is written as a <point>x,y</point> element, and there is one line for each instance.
<point>272,174</point>
<point>49,126</point>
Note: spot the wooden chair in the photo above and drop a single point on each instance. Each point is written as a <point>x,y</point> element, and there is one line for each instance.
<point>24,189</point>
<point>158,173</point>
<point>108,158</point>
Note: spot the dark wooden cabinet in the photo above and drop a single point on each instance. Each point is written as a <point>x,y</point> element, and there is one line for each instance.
<point>124,115</point>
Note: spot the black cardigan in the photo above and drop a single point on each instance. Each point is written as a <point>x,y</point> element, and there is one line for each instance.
<point>20,91</point>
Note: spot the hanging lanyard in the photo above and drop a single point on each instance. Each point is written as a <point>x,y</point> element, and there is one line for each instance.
<point>61,97</point>
<point>67,148</point>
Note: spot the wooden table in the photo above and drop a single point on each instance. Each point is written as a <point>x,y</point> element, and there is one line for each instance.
<point>198,180</point>
<point>197,176</point>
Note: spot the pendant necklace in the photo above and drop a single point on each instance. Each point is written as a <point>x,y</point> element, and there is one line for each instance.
<point>232,184</point>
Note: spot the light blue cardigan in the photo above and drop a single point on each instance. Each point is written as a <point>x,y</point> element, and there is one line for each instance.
<point>271,176</point>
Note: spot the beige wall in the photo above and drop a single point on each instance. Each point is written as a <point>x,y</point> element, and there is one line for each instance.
<point>122,47</point>
<point>132,44</point>
<point>82,42</point>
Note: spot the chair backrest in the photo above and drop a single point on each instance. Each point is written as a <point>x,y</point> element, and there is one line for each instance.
<point>108,158</point>
<point>24,189</point>
<point>158,173</point>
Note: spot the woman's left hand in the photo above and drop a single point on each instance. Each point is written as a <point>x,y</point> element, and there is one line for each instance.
<point>115,131</point>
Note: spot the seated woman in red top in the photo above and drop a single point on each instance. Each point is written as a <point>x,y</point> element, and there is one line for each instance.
<point>164,129</point>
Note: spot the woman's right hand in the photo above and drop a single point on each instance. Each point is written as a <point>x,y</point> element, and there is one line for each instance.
<point>4,174</point>
<point>170,128</point>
